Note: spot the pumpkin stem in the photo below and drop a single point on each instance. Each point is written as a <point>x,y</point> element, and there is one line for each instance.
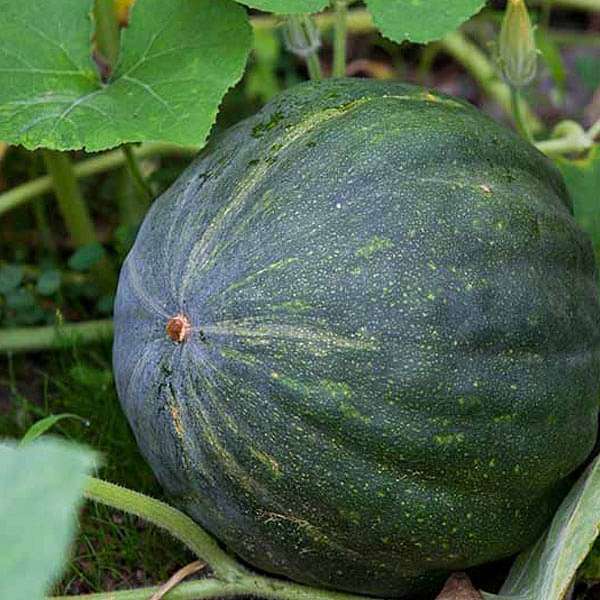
<point>179,328</point>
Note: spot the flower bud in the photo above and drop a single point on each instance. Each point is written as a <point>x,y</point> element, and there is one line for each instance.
<point>301,36</point>
<point>517,52</point>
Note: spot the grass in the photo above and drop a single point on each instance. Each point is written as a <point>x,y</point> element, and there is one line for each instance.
<point>112,550</point>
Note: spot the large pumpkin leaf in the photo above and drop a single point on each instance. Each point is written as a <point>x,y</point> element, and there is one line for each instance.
<point>287,7</point>
<point>177,60</point>
<point>583,180</point>
<point>421,20</point>
<point>546,571</point>
<point>42,484</point>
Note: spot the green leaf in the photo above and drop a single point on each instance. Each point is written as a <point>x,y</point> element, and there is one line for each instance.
<point>84,258</point>
<point>10,278</point>
<point>43,425</point>
<point>48,282</point>
<point>20,300</point>
<point>583,181</point>
<point>177,60</point>
<point>546,571</point>
<point>421,20</point>
<point>24,308</point>
<point>41,485</point>
<point>287,7</point>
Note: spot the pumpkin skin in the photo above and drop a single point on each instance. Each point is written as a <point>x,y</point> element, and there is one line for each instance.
<point>391,365</point>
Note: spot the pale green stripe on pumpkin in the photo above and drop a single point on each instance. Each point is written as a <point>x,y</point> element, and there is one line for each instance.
<point>146,299</point>
<point>257,209</point>
<point>210,436</point>
<point>373,246</point>
<point>250,278</point>
<point>313,531</point>
<point>256,328</point>
<point>241,357</point>
<point>292,306</point>
<point>140,363</point>
<point>338,390</point>
<point>267,460</point>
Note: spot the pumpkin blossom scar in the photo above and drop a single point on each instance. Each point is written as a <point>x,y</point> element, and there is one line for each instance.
<point>178,328</point>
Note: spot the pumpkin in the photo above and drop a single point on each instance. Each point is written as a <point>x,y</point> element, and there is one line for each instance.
<point>357,340</point>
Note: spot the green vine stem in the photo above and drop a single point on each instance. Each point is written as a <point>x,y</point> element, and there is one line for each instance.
<point>23,193</point>
<point>314,66</point>
<point>107,30</point>
<point>197,590</point>
<point>302,39</point>
<point>32,339</point>
<point>340,33</point>
<point>358,21</point>
<point>136,174</point>
<point>40,214</point>
<point>516,102</point>
<point>175,522</point>
<point>132,205</point>
<point>41,223</point>
<point>570,38</point>
<point>570,138</point>
<point>75,213</point>
<point>70,201</point>
<point>230,577</point>
<point>428,55</point>
<point>248,585</point>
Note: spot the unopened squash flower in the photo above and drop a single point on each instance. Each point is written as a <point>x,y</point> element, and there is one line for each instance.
<point>517,49</point>
<point>122,8</point>
<point>301,36</point>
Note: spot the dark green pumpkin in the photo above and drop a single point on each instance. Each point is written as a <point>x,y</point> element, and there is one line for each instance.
<point>393,358</point>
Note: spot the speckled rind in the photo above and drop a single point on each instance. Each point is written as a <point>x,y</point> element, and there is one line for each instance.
<point>393,358</point>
